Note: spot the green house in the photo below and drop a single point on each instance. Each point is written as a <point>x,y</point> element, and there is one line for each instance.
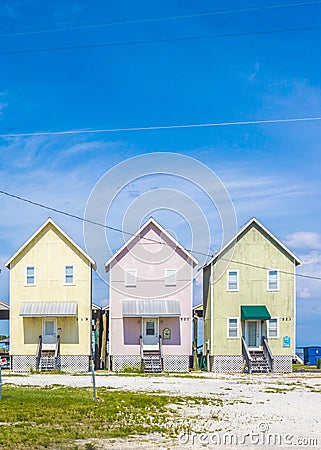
<point>249,303</point>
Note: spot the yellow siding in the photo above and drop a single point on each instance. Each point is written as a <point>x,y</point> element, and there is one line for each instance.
<point>256,249</point>
<point>49,252</point>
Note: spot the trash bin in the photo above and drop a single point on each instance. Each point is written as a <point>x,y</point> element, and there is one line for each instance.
<point>318,360</point>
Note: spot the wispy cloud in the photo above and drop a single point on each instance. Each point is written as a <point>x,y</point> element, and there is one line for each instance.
<point>253,74</point>
<point>304,240</point>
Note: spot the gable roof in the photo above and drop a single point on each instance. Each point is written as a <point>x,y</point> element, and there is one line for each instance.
<point>49,221</point>
<point>137,234</point>
<point>242,230</point>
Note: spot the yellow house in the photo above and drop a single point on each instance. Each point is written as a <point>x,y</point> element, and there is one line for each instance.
<point>50,303</point>
<point>249,303</point>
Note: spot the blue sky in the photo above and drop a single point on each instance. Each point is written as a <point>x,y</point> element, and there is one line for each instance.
<point>271,171</point>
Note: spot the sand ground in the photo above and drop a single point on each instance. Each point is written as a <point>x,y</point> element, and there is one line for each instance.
<point>251,411</point>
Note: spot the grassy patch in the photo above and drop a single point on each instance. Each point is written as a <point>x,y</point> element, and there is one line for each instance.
<point>55,417</point>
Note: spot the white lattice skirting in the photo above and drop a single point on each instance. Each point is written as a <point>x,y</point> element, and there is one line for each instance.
<point>176,363</point>
<point>72,363</point>
<point>23,363</point>
<point>282,364</point>
<point>225,364</point>
<point>222,363</point>
<point>121,362</point>
<point>172,363</point>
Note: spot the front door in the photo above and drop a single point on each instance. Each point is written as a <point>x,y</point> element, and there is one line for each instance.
<point>49,331</point>
<point>150,331</point>
<point>253,333</point>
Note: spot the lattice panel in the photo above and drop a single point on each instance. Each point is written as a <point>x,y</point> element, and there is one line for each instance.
<point>176,363</point>
<point>282,364</point>
<point>74,363</point>
<point>23,363</point>
<point>120,362</point>
<point>223,363</point>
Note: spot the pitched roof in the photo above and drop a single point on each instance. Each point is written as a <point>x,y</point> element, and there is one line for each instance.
<point>137,234</point>
<point>51,222</point>
<point>242,230</point>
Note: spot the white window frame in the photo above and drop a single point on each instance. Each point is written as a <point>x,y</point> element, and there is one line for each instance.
<point>34,276</point>
<point>237,328</point>
<point>277,328</point>
<point>237,281</point>
<point>130,273</point>
<point>168,274</point>
<point>277,280</point>
<point>68,275</point>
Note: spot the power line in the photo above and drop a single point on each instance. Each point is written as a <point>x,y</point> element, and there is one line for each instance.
<point>159,19</point>
<point>74,216</point>
<point>158,41</point>
<point>161,127</point>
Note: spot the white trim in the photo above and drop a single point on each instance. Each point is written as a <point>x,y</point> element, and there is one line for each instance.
<point>277,328</point>
<point>51,222</point>
<point>137,234</point>
<point>73,275</point>
<point>166,276</point>
<point>237,327</point>
<point>34,275</point>
<point>277,280</point>
<point>297,261</point>
<point>228,280</point>
<point>132,273</point>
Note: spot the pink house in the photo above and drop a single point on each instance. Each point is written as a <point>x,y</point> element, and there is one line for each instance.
<point>151,294</point>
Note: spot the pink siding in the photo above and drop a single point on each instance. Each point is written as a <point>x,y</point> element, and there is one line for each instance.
<point>151,260</point>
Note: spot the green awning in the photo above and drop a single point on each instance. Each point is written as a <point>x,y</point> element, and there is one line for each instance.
<point>255,312</point>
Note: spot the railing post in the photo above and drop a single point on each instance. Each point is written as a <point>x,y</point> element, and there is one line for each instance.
<point>161,352</point>
<point>141,353</point>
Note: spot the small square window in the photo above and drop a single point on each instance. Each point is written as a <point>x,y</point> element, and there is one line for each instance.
<point>130,277</point>
<point>30,275</point>
<point>69,274</point>
<point>233,280</point>
<point>170,277</point>
<point>232,327</point>
<point>273,280</point>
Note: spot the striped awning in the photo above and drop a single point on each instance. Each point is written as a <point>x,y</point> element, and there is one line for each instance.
<point>48,309</point>
<point>151,308</point>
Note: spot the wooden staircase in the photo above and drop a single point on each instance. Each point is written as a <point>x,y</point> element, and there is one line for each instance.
<point>151,357</point>
<point>259,362</point>
<point>47,356</point>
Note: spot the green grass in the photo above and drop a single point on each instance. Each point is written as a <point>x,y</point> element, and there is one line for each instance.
<point>303,366</point>
<point>55,417</point>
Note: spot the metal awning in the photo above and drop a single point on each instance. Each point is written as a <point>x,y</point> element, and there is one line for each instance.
<point>150,308</point>
<point>255,312</point>
<point>45,309</point>
<point>4,311</point>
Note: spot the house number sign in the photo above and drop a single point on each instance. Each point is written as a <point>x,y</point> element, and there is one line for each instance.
<point>167,333</point>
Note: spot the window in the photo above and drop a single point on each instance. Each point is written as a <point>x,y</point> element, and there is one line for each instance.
<point>273,328</point>
<point>170,277</point>
<point>273,280</point>
<point>150,328</point>
<point>130,277</point>
<point>233,280</point>
<point>69,274</point>
<point>233,327</point>
<point>30,275</point>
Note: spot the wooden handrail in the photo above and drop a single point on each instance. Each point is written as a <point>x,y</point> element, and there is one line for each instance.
<point>267,353</point>
<point>57,350</point>
<point>38,354</point>
<point>246,355</point>
<point>161,352</point>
